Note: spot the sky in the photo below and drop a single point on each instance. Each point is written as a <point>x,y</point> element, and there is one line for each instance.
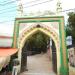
<point>8,11</point>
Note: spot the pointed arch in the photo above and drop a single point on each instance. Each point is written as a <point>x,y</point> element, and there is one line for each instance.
<point>58,35</point>
<point>25,34</point>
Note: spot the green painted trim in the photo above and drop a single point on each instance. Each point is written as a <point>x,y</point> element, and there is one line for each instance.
<point>63,70</point>
<point>67,68</point>
<point>15,31</point>
<point>61,55</point>
<point>39,17</point>
<point>31,21</point>
<point>66,44</point>
<point>17,34</point>
<point>13,34</point>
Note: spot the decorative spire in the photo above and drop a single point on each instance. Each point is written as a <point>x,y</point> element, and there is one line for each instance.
<point>59,7</point>
<point>20,8</point>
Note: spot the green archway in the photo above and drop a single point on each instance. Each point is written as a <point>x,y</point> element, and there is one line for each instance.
<point>47,23</point>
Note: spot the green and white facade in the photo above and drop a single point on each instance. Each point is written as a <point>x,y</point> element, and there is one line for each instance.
<point>52,26</point>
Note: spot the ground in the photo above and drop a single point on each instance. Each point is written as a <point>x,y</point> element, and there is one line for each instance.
<point>39,65</point>
<point>71,70</point>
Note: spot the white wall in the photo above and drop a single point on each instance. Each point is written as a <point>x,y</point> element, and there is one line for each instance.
<point>5,42</point>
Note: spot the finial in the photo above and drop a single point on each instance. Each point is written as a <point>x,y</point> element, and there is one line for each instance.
<point>20,8</point>
<point>59,7</point>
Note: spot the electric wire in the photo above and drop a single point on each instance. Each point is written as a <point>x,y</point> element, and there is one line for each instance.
<point>38,4</point>
<point>22,4</point>
<point>28,6</point>
<point>61,12</point>
<point>18,0</point>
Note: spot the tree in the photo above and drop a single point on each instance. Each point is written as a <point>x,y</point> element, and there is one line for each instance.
<point>38,42</point>
<point>41,41</point>
<point>71,23</point>
<point>68,31</point>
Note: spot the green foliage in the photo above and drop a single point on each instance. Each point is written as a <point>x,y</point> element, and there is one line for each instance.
<point>71,23</point>
<point>38,41</point>
<point>68,31</point>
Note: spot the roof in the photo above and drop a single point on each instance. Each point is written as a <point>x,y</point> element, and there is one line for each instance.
<point>7,51</point>
<point>5,37</point>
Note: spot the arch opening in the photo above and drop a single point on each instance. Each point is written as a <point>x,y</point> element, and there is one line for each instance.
<point>32,31</point>
<point>49,54</point>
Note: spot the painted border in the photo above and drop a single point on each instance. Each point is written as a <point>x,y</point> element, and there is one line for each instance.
<point>64,62</point>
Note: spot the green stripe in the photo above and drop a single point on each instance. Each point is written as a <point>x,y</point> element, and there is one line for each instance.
<point>30,21</point>
<point>63,70</point>
<point>38,17</point>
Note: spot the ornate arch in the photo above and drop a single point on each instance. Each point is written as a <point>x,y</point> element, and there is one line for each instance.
<point>26,33</point>
<point>58,37</point>
<point>43,28</point>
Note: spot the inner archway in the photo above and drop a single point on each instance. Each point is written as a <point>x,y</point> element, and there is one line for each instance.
<point>48,53</point>
<point>32,31</point>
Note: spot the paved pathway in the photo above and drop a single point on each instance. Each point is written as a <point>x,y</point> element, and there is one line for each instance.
<point>39,65</point>
<point>71,70</point>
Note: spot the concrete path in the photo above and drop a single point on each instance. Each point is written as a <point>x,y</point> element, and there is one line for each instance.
<point>71,70</point>
<point>38,65</point>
